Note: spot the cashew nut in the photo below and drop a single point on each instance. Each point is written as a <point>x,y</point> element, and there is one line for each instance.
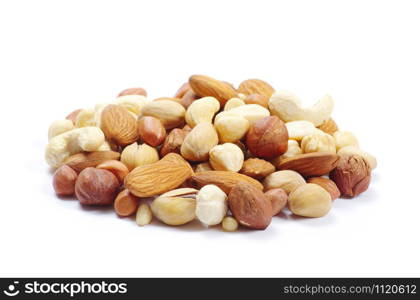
<point>71,142</point>
<point>133,103</point>
<point>59,127</point>
<point>85,118</point>
<point>202,110</point>
<point>287,107</point>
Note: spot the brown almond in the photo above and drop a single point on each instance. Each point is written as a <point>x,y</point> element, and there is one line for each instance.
<point>182,90</point>
<point>151,131</point>
<point>81,161</point>
<point>257,168</point>
<point>205,86</point>
<point>326,184</point>
<point>257,99</point>
<point>157,178</point>
<point>118,125</point>
<point>189,98</point>
<point>256,86</point>
<point>116,167</point>
<point>225,180</point>
<point>250,206</point>
<point>310,164</point>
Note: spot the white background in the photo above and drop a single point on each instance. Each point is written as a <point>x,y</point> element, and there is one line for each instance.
<point>56,56</point>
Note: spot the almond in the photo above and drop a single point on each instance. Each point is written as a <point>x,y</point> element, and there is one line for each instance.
<point>250,206</point>
<point>160,177</point>
<point>185,87</point>
<point>257,168</point>
<point>256,86</point>
<point>118,125</point>
<point>326,184</point>
<point>257,99</point>
<point>206,86</point>
<point>81,161</point>
<point>310,164</point>
<point>151,131</point>
<point>133,91</point>
<point>225,180</point>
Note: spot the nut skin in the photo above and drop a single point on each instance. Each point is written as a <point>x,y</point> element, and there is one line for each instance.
<point>126,204</point>
<point>64,181</point>
<point>352,175</point>
<point>250,206</point>
<point>257,168</point>
<point>151,131</point>
<point>173,141</point>
<point>133,91</point>
<point>326,184</point>
<point>278,198</point>
<point>267,138</point>
<point>96,187</point>
<point>116,167</point>
<point>310,200</point>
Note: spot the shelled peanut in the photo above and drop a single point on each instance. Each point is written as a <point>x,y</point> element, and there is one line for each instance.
<point>212,153</point>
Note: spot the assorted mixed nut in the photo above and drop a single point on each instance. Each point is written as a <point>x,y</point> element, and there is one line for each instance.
<point>213,152</point>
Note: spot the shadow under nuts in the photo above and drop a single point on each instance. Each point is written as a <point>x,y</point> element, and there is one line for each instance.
<point>267,138</point>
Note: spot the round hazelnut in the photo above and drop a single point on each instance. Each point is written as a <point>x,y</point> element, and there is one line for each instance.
<point>267,138</point>
<point>64,180</point>
<point>96,187</point>
<point>278,198</point>
<point>352,175</point>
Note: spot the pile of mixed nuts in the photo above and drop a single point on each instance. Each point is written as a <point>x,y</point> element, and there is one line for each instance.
<point>221,154</point>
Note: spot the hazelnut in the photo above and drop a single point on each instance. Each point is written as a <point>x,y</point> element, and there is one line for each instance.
<point>126,203</point>
<point>287,180</point>
<point>318,142</point>
<point>173,141</point>
<point>211,205</point>
<point>352,175</point>
<point>257,168</point>
<point>133,91</point>
<point>226,157</point>
<point>199,141</point>
<point>136,155</point>
<point>310,200</point>
<point>205,166</point>
<point>267,138</point>
<point>96,187</point>
<point>151,131</point>
<point>64,181</point>
<point>231,128</point>
<point>278,199</point>
<point>344,139</point>
<point>326,184</point>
